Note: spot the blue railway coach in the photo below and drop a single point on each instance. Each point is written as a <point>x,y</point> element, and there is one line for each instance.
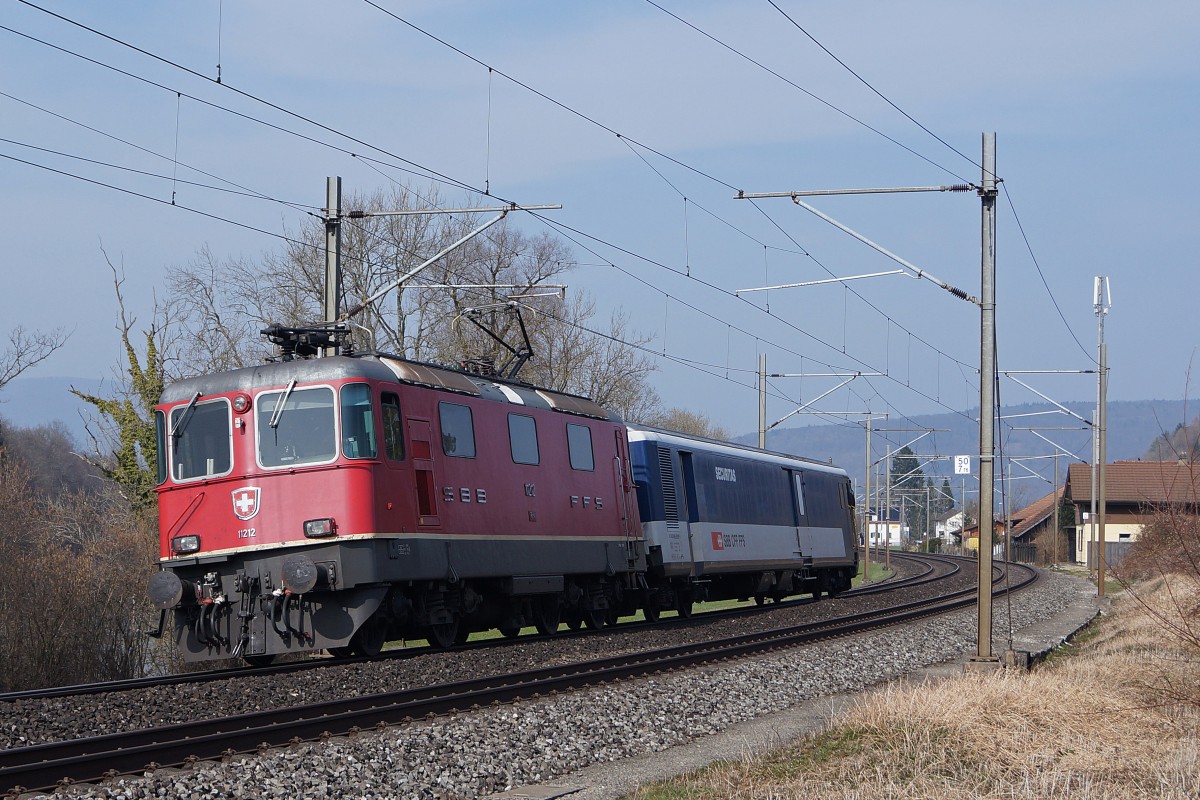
<point>727,521</point>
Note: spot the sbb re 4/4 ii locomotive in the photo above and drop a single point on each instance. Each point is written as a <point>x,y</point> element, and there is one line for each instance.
<point>341,502</point>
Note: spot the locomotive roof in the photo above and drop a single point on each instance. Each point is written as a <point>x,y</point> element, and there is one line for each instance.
<point>377,366</point>
<point>704,444</point>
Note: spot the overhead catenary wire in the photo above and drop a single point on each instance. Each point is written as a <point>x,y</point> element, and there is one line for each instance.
<point>878,93</point>
<point>356,155</point>
<point>801,89</point>
<point>244,189</point>
<point>144,196</point>
<point>321,125</point>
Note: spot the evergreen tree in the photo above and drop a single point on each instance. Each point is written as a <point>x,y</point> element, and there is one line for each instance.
<point>910,487</point>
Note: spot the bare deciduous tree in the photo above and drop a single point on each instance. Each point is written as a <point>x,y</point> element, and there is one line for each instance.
<point>220,307</point>
<point>693,422</point>
<point>26,349</point>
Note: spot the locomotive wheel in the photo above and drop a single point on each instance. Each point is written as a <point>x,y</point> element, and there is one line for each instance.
<point>341,652</point>
<point>260,661</point>
<point>464,633</point>
<point>574,620</point>
<point>685,605</point>
<point>443,634</point>
<point>546,615</point>
<point>760,599</point>
<point>510,631</point>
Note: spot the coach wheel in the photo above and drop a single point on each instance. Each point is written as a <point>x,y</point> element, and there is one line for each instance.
<point>650,607</point>
<point>546,615</point>
<point>510,630</point>
<point>369,639</point>
<point>260,661</point>
<point>443,634</point>
<point>760,599</point>
<point>463,634</point>
<point>594,618</point>
<point>685,605</point>
<point>341,652</point>
<point>574,620</point>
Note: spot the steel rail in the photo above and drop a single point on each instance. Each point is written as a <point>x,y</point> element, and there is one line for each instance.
<point>46,766</point>
<point>224,673</point>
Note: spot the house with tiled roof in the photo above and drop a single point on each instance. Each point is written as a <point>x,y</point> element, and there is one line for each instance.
<point>1032,539</point>
<point>1133,492</point>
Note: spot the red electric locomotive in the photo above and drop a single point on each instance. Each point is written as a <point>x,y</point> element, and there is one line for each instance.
<point>336,503</point>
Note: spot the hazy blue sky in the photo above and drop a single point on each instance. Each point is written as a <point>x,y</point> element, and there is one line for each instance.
<point>1095,106</point>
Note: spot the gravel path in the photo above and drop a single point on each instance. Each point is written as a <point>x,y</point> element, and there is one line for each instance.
<point>494,749</point>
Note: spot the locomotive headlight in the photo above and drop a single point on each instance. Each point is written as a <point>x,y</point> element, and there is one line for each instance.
<point>318,528</point>
<point>241,403</point>
<point>186,544</point>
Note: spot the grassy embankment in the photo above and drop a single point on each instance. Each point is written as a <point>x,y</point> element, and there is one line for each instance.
<point>1114,715</point>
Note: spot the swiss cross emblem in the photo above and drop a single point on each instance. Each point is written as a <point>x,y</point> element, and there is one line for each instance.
<point>245,502</point>
<point>718,541</point>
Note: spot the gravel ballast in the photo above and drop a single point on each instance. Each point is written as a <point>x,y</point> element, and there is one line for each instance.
<point>494,749</point>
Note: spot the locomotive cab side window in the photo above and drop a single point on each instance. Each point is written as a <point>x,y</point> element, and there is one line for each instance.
<point>393,428</point>
<point>160,430</point>
<point>522,439</point>
<point>799,480</point>
<point>579,445</point>
<point>296,427</point>
<point>201,442</point>
<point>458,430</point>
<point>358,422</point>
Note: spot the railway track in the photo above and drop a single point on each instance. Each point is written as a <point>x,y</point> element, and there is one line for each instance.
<point>46,766</point>
<point>927,569</point>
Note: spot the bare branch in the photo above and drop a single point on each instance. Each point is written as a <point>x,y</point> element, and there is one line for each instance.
<point>27,349</point>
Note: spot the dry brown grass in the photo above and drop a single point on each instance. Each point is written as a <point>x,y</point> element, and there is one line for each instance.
<point>1118,719</point>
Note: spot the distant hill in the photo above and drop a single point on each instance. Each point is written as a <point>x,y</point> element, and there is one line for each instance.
<point>1132,428</point>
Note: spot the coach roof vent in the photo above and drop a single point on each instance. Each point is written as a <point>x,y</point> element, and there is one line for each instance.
<point>422,375</point>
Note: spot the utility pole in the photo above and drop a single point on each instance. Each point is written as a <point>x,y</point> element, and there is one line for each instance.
<point>762,401</point>
<point>330,307</point>
<point>987,399</point>
<point>1102,302</point>
<point>867,506</point>
<point>1057,503</point>
<point>887,472</point>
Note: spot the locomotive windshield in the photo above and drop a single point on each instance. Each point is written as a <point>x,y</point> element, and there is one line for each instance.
<point>303,430</point>
<point>200,441</point>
